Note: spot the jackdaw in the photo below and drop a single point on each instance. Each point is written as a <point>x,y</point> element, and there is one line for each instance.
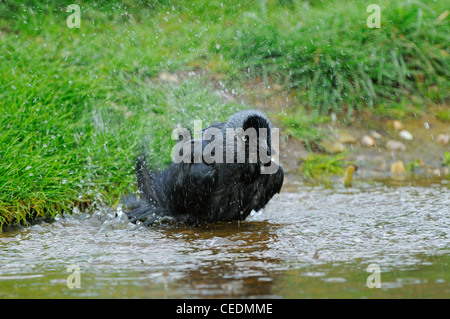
<point>197,190</point>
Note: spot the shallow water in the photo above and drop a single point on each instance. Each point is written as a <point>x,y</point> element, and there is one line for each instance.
<point>308,242</point>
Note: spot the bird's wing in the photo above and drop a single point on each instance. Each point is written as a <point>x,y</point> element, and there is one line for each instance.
<point>197,176</point>
<point>266,187</point>
<point>197,172</point>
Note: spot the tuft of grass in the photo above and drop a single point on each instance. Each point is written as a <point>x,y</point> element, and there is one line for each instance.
<point>444,115</point>
<point>446,159</point>
<point>319,167</point>
<point>414,165</point>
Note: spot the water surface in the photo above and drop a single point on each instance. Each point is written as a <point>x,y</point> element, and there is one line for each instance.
<point>308,242</point>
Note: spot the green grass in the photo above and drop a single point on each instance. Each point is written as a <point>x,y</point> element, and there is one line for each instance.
<point>61,154</point>
<point>335,62</point>
<point>444,115</point>
<point>76,105</point>
<point>446,159</point>
<point>320,167</point>
<point>75,110</point>
<point>304,126</point>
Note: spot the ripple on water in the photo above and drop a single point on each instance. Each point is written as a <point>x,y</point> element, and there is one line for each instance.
<point>314,226</point>
<point>387,225</point>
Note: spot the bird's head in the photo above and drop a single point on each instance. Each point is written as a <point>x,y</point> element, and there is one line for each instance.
<point>254,129</point>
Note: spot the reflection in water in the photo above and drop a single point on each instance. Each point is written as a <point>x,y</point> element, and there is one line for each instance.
<point>309,241</point>
<point>237,260</point>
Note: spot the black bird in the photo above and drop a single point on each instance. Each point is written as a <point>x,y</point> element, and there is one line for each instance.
<point>200,191</point>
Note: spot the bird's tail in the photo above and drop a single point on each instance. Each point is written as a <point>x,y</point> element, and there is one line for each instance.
<point>147,210</point>
<point>145,179</point>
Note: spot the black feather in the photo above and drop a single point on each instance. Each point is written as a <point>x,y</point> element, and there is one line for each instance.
<point>196,193</point>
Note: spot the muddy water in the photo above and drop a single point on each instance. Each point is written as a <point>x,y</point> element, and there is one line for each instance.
<point>308,242</point>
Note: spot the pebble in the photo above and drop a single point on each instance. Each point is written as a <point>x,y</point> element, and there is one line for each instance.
<point>345,137</point>
<point>398,168</point>
<point>375,134</point>
<point>406,135</point>
<point>333,147</point>
<point>368,141</point>
<point>397,125</point>
<point>337,147</point>
<point>394,145</point>
<point>165,76</point>
<point>443,139</point>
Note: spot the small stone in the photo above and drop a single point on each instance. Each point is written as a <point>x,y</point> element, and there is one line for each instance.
<point>345,137</point>
<point>164,76</point>
<point>375,134</point>
<point>366,140</point>
<point>337,147</point>
<point>421,162</point>
<point>397,125</point>
<point>443,139</point>
<point>446,171</point>
<point>394,145</point>
<point>398,168</point>
<point>406,135</point>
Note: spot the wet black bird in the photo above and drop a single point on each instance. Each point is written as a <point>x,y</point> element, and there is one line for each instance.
<point>200,191</point>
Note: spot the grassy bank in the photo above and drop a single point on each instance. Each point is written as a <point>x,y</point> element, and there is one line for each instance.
<point>76,105</point>
<point>326,52</point>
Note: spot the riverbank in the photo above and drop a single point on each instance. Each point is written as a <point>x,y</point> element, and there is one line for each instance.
<point>77,105</point>
<point>319,160</point>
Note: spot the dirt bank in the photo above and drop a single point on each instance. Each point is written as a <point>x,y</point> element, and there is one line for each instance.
<point>371,142</point>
